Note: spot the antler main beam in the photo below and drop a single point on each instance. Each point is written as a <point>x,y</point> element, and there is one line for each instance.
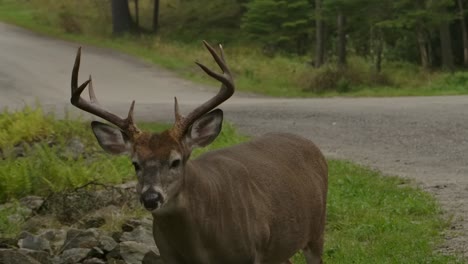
<point>127,125</point>
<point>182,124</point>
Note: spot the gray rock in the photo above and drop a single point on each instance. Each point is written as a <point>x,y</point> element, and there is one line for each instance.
<point>77,238</point>
<point>152,258</point>
<point>114,254</point>
<point>93,222</point>
<point>130,224</point>
<point>133,252</point>
<point>96,253</point>
<point>107,243</point>
<point>115,261</point>
<point>74,255</point>
<point>40,222</point>
<point>7,242</point>
<point>75,147</point>
<point>41,256</point>
<point>56,238</point>
<point>94,261</point>
<point>12,256</point>
<point>140,234</point>
<point>30,241</point>
<point>32,202</point>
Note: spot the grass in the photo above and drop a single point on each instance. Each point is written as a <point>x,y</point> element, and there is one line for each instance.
<point>282,75</point>
<point>371,218</point>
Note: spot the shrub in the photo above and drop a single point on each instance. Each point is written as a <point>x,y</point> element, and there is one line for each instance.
<point>331,78</point>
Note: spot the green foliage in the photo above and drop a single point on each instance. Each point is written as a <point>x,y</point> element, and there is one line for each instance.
<point>279,24</point>
<point>331,78</point>
<point>46,162</point>
<point>278,74</point>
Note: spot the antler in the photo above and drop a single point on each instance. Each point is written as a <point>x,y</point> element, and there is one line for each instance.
<point>182,124</point>
<point>126,125</point>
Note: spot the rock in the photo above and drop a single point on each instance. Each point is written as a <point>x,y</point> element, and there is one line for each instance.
<point>30,241</point>
<point>96,253</point>
<point>75,147</point>
<point>7,242</point>
<point>41,256</point>
<point>133,252</point>
<point>32,202</point>
<point>12,256</point>
<point>56,238</point>
<point>77,238</point>
<point>107,243</point>
<point>114,254</point>
<point>39,222</point>
<point>74,255</point>
<point>116,261</point>
<point>131,185</point>
<point>18,217</point>
<point>130,224</point>
<point>116,236</point>
<point>152,258</point>
<point>94,261</point>
<point>93,222</point>
<point>140,234</point>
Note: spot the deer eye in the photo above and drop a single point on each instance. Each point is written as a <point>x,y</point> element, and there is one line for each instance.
<point>136,166</point>
<point>175,163</point>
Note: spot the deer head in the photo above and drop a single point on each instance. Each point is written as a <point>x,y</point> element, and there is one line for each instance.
<point>159,158</point>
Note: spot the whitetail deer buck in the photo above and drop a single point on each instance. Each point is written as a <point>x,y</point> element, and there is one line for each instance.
<point>257,202</point>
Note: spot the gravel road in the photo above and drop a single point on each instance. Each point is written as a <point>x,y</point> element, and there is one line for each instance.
<point>422,138</point>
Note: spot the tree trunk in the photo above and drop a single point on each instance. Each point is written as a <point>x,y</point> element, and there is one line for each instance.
<point>423,49</point>
<point>341,20</point>
<point>378,51</point>
<point>121,18</point>
<point>446,46</point>
<point>464,32</point>
<point>137,14</point>
<point>319,35</point>
<point>156,16</point>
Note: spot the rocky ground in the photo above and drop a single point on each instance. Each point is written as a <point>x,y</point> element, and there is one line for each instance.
<point>87,225</point>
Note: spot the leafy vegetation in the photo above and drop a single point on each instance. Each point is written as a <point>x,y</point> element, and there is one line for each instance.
<point>371,218</point>
<point>257,55</point>
<point>43,155</point>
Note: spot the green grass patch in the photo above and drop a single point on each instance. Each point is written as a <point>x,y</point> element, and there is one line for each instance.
<point>371,218</point>
<point>282,75</point>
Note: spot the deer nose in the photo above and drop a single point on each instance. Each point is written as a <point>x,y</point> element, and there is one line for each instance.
<point>151,200</point>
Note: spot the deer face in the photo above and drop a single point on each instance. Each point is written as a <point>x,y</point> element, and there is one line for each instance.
<point>159,159</point>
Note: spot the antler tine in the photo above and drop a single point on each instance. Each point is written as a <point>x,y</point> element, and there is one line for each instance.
<point>92,96</point>
<point>127,125</point>
<point>226,91</point>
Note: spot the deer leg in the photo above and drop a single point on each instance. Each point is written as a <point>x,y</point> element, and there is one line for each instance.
<point>313,253</point>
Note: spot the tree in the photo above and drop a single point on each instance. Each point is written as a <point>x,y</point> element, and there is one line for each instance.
<point>156,16</point>
<point>279,24</point>
<point>121,18</point>
<point>423,19</point>
<point>446,46</point>
<point>341,22</point>
<point>464,31</point>
<point>319,35</point>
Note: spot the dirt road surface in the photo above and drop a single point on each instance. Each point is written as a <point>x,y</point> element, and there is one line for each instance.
<point>422,138</point>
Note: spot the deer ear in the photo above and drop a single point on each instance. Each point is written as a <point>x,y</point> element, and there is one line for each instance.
<point>111,139</point>
<point>205,129</point>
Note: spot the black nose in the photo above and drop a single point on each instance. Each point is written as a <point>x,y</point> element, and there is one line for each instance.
<point>151,200</point>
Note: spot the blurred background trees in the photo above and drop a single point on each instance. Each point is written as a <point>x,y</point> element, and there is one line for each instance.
<point>345,43</point>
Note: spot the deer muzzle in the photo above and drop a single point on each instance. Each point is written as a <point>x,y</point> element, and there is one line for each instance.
<point>151,200</point>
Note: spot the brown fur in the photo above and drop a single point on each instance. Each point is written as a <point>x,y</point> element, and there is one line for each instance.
<point>258,202</point>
